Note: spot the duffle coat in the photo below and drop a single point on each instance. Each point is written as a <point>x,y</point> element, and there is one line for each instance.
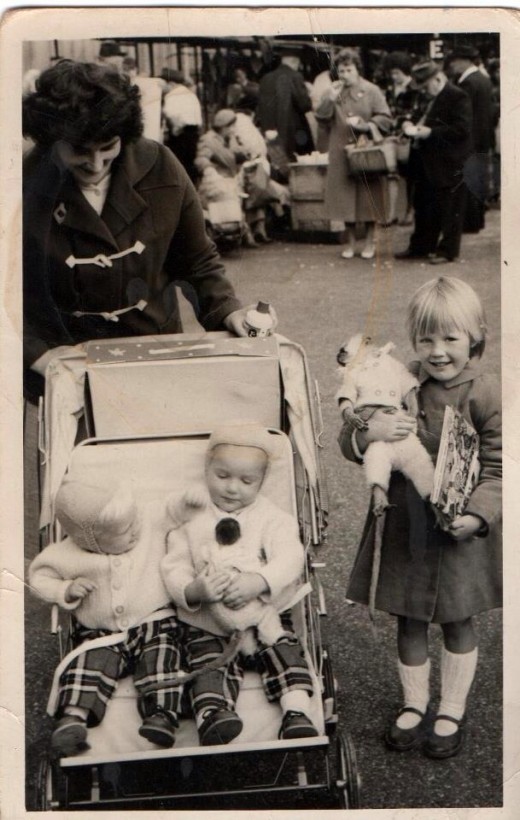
<point>151,201</point>
<point>348,198</point>
<point>425,574</point>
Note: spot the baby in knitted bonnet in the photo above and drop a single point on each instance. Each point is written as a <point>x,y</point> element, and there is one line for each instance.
<point>121,624</point>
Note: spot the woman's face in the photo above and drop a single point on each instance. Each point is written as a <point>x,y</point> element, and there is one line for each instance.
<point>398,77</point>
<point>348,74</point>
<point>88,164</point>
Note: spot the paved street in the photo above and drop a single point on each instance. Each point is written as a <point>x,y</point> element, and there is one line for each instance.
<point>322,299</point>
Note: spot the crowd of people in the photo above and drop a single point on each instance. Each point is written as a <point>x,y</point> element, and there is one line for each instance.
<point>446,116</point>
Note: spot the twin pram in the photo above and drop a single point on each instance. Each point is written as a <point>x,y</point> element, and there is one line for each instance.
<point>150,404</point>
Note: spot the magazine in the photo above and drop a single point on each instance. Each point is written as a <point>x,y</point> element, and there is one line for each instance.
<point>457,469</point>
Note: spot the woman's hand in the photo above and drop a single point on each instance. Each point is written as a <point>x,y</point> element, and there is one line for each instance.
<point>465,526</point>
<point>207,587</point>
<point>333,91</point>
<point>235,322</point>
<point>79,589</point>
<point>244,587</point>
<point>359,125</point>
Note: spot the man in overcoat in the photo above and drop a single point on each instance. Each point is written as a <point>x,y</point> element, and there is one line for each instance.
<point>442,140</point>
<point>479,89</point>
<point>282,104</point>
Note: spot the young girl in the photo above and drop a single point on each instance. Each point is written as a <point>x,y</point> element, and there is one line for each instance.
<point>237,460</point>
<point>107,574</point>
<point>428,575</point>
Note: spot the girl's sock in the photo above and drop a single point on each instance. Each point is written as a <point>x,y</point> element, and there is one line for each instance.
<point>296,700</point>
<point>415,681</point>
<point>457,673</point>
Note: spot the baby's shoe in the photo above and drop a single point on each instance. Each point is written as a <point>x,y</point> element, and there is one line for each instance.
<point>159,728</point>
<point>296,725</point>
<point>69,737</point>
<point>219,726</point>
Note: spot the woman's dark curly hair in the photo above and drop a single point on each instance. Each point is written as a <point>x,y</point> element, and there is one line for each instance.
<point>82,103</point>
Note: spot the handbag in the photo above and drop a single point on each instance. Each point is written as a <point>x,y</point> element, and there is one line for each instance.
<point>375,156</point>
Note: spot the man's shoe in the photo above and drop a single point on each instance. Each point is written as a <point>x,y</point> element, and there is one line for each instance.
<point>439,260</point>
<point>69,737</point>
<point>409,254</point>
<point>402,740</point>
<point>219,727</point>
<point>159,728</point>
<point>296,725</point>
<point>442,746</point>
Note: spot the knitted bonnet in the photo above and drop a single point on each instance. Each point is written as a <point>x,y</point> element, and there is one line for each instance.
<point>78,506</point>
<point>243,435</point>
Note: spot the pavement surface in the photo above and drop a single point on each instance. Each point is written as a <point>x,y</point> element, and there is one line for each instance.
<point>321,300</point>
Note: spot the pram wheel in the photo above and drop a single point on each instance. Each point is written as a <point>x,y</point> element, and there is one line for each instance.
<point>43,786</point>
<point>347,776</point>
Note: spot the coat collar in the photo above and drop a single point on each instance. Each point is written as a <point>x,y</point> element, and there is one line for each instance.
<point>356,91</point>
<point>123,205</point>
<point>472,371</point>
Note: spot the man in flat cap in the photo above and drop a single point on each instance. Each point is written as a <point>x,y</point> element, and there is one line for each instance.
<point>283,102</point>
<point>442,138</point>
<point>110,54</point>
<point>476,169</point>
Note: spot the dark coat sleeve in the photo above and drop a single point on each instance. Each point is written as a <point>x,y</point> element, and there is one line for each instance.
<point>451,123</point>
<point>193,257</point>
<point>486,498</point>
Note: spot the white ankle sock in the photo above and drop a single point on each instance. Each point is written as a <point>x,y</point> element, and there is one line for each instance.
<point>76,711</point>
<point>415,681</point>
<point>457,673</point>
<point>297,700</point>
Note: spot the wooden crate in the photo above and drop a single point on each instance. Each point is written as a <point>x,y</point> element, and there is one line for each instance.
<point>307,182</point>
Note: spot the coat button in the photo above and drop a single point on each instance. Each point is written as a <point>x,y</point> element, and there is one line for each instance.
<point>124,622</point>
<point>120,609</point>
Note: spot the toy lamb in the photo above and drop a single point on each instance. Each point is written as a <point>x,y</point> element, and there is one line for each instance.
<point>371,376</point>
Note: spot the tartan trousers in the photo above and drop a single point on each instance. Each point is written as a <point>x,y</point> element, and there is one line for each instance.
<point>282,667</point>
<point>150,653</point>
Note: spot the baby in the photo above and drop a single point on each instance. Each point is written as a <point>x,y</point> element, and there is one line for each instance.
<point>237,460</point>
<point>97,574</point>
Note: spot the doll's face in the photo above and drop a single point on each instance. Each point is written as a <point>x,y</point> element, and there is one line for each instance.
<point>120,536</point>
<point>88,164</point>
<point>443,354</point>
<point>234,476</point>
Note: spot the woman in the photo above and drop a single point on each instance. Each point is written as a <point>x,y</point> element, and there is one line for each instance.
<point>346,110</point>
<point>111,222</point>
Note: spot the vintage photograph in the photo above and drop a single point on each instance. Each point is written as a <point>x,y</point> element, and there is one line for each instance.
<point>261,322</point>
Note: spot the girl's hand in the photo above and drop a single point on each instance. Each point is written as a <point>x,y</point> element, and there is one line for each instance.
<point>78,589</point>
<point>244,587</point>
<point>236,322</point>
<point>384,426</point>
<point>207,587</point>
<point>465,526</point>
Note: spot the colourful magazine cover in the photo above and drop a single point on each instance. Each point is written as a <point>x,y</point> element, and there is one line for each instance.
<point>457,468</point>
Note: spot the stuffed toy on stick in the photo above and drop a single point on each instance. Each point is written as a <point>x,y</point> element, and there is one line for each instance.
<point>372,377</point>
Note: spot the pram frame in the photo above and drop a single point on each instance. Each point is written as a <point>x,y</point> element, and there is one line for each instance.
<point>54,787</point>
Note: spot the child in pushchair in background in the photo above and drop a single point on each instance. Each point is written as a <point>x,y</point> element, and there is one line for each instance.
<point>237,460</point>
<point>97,574</point>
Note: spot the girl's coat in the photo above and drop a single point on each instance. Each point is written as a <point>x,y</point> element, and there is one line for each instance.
<point>425,574</point>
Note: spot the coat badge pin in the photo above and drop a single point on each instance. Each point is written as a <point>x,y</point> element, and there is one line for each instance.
<point>60,213</point>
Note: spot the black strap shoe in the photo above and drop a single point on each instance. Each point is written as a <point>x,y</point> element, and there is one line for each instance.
<point>442,746</point>
<point>402,740</point>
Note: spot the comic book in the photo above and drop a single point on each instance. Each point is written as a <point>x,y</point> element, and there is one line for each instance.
<point>457,469</point>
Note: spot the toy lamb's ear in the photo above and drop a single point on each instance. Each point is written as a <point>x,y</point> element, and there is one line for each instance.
<point>386,349</point>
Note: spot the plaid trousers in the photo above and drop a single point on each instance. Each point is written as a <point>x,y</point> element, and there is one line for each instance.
<point>150,653</point>
<point>282,667</point>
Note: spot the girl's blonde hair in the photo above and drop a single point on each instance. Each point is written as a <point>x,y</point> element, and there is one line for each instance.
<point>446,303</point>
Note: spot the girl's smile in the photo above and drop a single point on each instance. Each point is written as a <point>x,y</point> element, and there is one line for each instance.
<point>88,164</point>
<point>443,355</point>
